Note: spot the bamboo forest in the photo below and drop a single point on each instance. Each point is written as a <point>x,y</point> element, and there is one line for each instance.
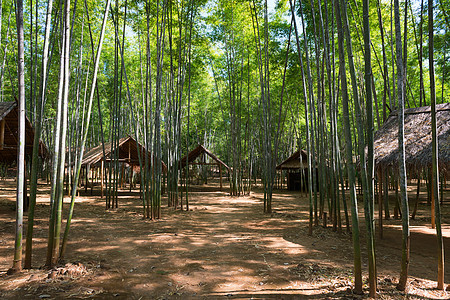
<point>224,149</point>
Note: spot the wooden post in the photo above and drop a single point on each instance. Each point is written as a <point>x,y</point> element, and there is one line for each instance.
<point>88,168</point>
<point>131,178</point>
<point>2,133</point>
<point>380,200</point>
<point>220,175</point>
<point>416,204</point>
<point>442,188</point>
<point>26,202</point>
<point>92,181</point>
<point>101,177</point>
<point>433,216</point>
<point>122,175</point>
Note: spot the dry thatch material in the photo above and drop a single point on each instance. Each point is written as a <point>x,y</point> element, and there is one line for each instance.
<point>418,147</point>
<point>293,161</point>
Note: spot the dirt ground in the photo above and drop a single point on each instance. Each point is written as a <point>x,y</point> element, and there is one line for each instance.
<point>225,247</point>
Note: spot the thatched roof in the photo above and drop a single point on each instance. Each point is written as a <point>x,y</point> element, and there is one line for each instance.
<point>128,152</point>
<point>200,149</point>
<point>9,113</point>
<point>293,161</point>
<point>418,147</point>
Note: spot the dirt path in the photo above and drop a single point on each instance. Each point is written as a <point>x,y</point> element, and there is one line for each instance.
<point>223,248</point>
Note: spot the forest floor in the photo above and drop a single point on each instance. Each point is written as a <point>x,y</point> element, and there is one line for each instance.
<point>224,247</point>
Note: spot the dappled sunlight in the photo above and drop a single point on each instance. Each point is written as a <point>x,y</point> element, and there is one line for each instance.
<point>222,246</point>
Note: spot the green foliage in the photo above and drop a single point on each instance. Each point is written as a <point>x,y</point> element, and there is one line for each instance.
<point>223,48</point>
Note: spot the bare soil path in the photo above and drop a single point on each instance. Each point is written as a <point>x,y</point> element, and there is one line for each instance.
<point>225,247</point>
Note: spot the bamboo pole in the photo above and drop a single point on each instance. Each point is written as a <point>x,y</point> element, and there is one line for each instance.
<point>402,165</point>
<point>94,81</point>
<point>17,262</point>
<point>435,206</point>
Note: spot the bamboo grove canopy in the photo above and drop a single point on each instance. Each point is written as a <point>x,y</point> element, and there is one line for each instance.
<point>9,134</point>
<point>418,148</point>
<point>294,162</point>
<point>128,152</point>
<point>199,150</point>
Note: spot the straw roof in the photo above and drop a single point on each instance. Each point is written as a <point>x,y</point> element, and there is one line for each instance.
<point>418,148</point>
<point>293,161</point>
<point>200,149</point>
<point>9,113</point>
<point>128,152</point>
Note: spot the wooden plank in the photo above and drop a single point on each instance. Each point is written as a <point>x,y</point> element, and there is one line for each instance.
<point>204,164</point>
<point>2,133</point>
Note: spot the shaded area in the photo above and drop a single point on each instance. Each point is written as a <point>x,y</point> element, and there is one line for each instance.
<point>9,135</point>
<point>418,148</point>
<point>223,248</point>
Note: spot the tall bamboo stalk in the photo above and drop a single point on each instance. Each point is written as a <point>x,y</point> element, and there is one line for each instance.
<point>435,159</point>
<point>17,262</point>
<point>401,145</point>
<point>307,120</point>
<point>56,156</point>
<point>349,154</point>
<point>85,133</point>
<point>64,86</point>
<point>37,136</point>
<point>369,203</point>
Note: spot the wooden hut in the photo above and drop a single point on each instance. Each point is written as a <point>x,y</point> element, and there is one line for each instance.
<point>201,151</point>
<point>9,137</point>
<point>295,167</point>
<point>418,149</point>
<point>129,151</point>
<point>9,134</point>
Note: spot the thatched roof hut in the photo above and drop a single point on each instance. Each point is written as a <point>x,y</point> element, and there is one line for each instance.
<point>294,161</point>
<point>9,134</point>
<point>199,150</point>
<point>128,152</point>
<point>294,167</point>
<point>418,149</point>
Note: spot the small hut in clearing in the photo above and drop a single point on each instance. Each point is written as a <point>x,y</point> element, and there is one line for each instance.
<point>128,155</point>
<point>418,148</point>
<point>201,151</point>
<point>295,167</point>
<point>9,134</point>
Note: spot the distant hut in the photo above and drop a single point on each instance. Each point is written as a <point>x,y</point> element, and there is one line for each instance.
<point>418,148</point>
<point>9,137</point>
<point>9,134</point>
<point>128,156</point>
<point>295,167</point>
<point>201,151</point>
